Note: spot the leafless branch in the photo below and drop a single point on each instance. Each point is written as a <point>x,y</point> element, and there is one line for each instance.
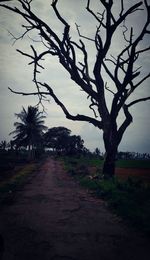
<point>91,106</point>
<point>63,21</point>
<point>122,8</point>
<point>21,36</point>
<point>137,101</point>
<point>77,117</point>
<point>128,120</point>
<point>28,93</point>
<point>107,88</point>
<point>143,50</point>
<point>142,80</point>
<point>82,36</point>
<point>100,20</point>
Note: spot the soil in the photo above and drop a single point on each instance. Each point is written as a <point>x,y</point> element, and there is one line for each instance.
<point>135,173</point>
<point>124,173</point>
<point>53,218</point>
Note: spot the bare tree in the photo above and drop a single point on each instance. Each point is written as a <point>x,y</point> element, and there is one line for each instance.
<point>124,71</point>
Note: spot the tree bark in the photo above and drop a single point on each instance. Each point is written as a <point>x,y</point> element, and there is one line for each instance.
<point>111,147</point>
<point>30,152</point>
<point>109,163</point>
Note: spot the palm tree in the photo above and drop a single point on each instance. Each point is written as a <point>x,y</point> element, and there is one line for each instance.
<point>30,130</point>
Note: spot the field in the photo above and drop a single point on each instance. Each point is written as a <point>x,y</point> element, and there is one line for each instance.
<point>136,169</point>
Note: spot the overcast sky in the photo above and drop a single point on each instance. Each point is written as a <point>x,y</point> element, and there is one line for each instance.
<point>17,74</point>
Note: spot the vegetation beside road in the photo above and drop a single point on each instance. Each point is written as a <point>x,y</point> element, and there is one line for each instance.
<point>129,198</point>
<point>133,163</point>
<point>93,160</point>
<point>13,180</point>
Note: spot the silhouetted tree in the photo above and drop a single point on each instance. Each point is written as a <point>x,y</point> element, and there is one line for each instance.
<point>123,69</point>
<point>57,138</point>
<point>11,145</point>
<point>29,132</point>
<point>97,152</point>
<point>3,145</point>
<point>60,140</point>
<point>75,144</point>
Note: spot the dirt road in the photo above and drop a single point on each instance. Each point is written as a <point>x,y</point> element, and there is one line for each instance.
<point>55,219</point>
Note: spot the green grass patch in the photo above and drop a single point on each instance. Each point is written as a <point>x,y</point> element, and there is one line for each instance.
<point>96,162</point>
<point>140,164</point>
<point>15,182</point>
<point>129,199</point>
<point>72,162</point>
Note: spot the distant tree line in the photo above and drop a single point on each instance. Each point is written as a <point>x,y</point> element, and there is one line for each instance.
<point>60,141</point>
<point>133,155</point>
<point>125,155</point>
<point>32,135</point>
<point>33,138</point>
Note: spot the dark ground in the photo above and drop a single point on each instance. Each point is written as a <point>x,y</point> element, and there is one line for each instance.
<point>53,218</point>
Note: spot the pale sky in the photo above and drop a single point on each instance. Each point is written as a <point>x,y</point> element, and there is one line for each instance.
<point>17,74</point>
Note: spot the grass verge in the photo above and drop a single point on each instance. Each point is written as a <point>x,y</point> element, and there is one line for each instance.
<point>129,199</point>
<point>18,178</point>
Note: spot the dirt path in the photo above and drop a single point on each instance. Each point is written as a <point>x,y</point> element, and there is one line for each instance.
<point>54,219</point>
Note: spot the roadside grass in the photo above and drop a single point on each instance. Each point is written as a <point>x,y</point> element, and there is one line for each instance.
<point>15,182</point>
<point>84,161</point>
<point>94,161</point>
<point>129,198</point>
<point>140,164</point>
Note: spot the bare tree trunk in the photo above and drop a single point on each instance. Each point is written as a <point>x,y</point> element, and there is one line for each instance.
<point>111,147</point>
<point>109,163</point>
<point>30,152</point>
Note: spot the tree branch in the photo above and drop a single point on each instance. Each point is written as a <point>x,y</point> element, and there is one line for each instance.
<point>50,92</point>
<point>66,112</point>
<point>95,16</point>
<point>125,124</point>
<point>137,101</point>
<point>28,93</point>
<point>82,36</point>
<point>142,80</point>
